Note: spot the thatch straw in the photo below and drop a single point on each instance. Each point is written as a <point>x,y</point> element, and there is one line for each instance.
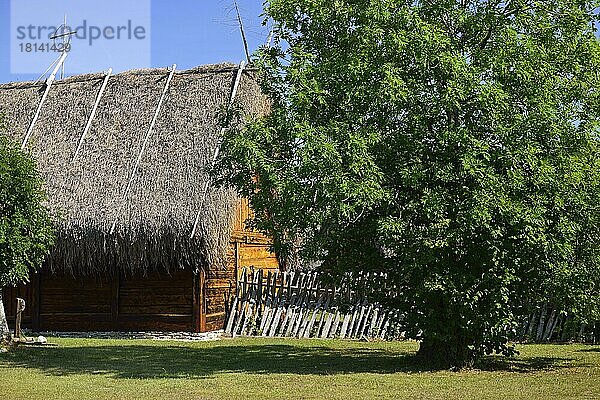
<point>155,219</point>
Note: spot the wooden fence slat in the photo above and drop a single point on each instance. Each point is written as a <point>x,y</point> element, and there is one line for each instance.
<point>294,323</point>
<point>247,314</point>
<point>374,318</point>
<point>280,306</point>
<point>284,278</point>
<point>289,311</point>
<point>259,290</point>
<point>352,322</point>
<point>277,318</point>
<point>290,323</point>
<point>238,326</point>
<point>385,326</point>
<point>245,283</point>
<point>336,324</point>
<point>232,314</point>
<point>270,317</point>
<point>289,285</point>
<point>268,287</point>
<point>303,311</point>
<point>265,315</point>
<point>327,325</point>
<point>323,315</point>
<point>381,321</point>
<point>359,320</point>
<point>346,322</point>
<point>284,321</point>
<point>298,304</point>
<point>365,323</point>
<point>300,322</point>
<point>311,321</point>
<point>274,285</point>
<point>295,314</point>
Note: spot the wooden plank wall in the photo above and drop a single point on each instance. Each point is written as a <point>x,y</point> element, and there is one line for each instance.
<point>250,248</point>
<point>247,249</point>
<point>219,283</point>
<point>70,304</point>
<point>158,302</point>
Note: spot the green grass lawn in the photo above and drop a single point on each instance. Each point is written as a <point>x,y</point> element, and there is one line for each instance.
<point>286,369</point>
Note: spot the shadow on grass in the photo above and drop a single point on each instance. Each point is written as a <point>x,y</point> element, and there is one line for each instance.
<point>523,364</point>
<point>143,361</point>
<point>590,350</point>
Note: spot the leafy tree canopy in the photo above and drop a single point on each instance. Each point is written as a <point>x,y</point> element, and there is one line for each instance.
<point>450,143</point>
<point>25,227</point>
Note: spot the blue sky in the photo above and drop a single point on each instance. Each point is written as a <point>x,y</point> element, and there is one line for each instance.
<point>183,32</point>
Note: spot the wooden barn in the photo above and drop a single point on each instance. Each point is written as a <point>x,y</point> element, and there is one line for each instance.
<point>144,242</point>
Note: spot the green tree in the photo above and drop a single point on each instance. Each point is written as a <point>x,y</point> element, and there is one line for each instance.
<point>451,143</point>
<point>26,232</point>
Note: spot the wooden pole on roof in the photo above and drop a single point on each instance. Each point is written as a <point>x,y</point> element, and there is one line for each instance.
<point>146,139</point>
<point>93,114</point>
<point>218,148</point>
<point>241,23</point>
<point>49,83</point>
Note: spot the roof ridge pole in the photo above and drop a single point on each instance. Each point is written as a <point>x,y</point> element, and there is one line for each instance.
<point>239,17</point>
<point>93,114</point>
<point>48,69</point>
<point>49,83</point>
<point>145,142</point>
<point>234,91</point>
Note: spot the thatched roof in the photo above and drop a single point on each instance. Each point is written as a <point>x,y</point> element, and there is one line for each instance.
<point>155,220</point>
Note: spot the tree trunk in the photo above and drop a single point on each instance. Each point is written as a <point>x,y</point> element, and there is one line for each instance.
<point>4,331</point>
<point>445,354</point>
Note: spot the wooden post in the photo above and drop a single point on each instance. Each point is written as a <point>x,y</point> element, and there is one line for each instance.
<point>114,302</point>
<point>244,283</point>
<point>20,309</point>
<point>36,297</point>
<point>197,299</point>
<point>236,277</point>
<point>202,300</point>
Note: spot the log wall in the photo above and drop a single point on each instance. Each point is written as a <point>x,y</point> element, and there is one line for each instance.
<point>119,303</point>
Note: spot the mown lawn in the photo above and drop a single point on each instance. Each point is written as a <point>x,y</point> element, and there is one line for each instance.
<point>286,369</point>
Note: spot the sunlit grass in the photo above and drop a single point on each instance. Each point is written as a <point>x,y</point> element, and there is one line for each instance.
<point>286,369</point>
